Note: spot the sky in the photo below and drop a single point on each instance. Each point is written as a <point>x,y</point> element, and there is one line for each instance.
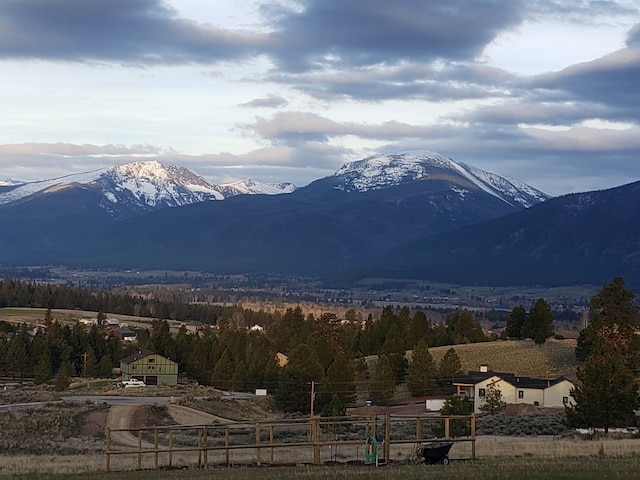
<point>544,91</point>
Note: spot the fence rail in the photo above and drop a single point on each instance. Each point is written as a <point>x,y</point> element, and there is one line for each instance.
<point>306,441</point>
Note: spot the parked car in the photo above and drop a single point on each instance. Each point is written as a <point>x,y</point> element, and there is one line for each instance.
<point>133,383</point>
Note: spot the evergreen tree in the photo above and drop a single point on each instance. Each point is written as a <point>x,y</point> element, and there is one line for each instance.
<point>611,332</point>
<point>450,365</point>
<point>394,349</point>
<point>43,370</point>
<point>606,397</point>
<point>515,322</point>
<point>340,380</point>
<point>303,368</point>
<point>420,328</point>
<point>239,381</point>
<point>383,386</point>
<point>464,328</point>
<point>105,368</point>
<point>223,372</point>
<point>89,364</point>
<point>422,371</point>
<point>538,325</point>
<point>63,377</point>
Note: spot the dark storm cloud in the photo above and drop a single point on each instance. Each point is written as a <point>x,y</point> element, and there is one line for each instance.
<point>610,81</point>
<point>339,33</point>
<point>128,31</point>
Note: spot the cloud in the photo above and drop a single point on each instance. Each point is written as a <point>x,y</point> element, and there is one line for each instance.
<point>294,128</point>
<point>271,101</point>
<point>121,31</point>
<point>611,81</point>
<point>70,149</point>
<point>338,33</point>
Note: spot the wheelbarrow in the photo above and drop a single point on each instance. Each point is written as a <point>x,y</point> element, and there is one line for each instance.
<point>436,452</point>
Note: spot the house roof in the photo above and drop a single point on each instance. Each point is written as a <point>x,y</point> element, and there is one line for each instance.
<point>473,378</point>
<point>137,356</point>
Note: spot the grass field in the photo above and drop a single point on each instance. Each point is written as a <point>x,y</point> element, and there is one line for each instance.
<point>555,357</point>
<point>573,468</point>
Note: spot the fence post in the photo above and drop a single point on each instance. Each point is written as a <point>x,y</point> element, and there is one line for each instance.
<point>170,448</point>
<point>204,445</point>
<point>139,449</point>
<point>226,444</point>
<point>316,441</point>
<point>418,429</point>
<point>473,436</point>
<point>447,427</point>
<point>155,445</point>
<point>271,443</point>
<point>387,438</point>
<point>258,449</point>
<point>108,449</point>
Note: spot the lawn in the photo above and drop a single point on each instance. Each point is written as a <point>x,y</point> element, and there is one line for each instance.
<point>582,468</point>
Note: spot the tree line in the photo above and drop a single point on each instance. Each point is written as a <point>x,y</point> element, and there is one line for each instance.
<point>339,355</point>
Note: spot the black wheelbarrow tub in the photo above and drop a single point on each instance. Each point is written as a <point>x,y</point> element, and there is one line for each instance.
<point>436,452</point>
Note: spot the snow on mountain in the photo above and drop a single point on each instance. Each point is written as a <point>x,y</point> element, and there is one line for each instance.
<point>383,171</point>
<point>153,184</point>
<point>143,185</point>
<point>253,187</point>
<point>24,189</point>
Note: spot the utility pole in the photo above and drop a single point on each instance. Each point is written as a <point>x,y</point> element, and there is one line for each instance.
<point>313,395</point>
<point>84,364</point>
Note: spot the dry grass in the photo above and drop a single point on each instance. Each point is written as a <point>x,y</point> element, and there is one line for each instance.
<point>522,357</point>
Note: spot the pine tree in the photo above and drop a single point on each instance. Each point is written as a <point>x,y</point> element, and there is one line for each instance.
<point>538,325</point>
<point>383,385</point>
<point>606,397</point>
<point>63,377</point>
<point>394,349</point>
<point>612,330</point>
<point>340,379</point>
<point>450,365</point>
<point>105,369</point>
<point>515,322</point>
<point>43,370</point>
<point>422,371</point>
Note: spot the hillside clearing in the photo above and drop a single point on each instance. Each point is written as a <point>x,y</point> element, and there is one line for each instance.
<point>522,357</point>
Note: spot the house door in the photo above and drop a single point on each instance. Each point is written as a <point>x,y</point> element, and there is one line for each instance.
<point>151,380</point>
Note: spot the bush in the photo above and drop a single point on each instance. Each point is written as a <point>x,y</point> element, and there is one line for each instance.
<point>522,424</point>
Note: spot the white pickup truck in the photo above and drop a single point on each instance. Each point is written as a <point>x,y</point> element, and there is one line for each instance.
<point>133,383</point>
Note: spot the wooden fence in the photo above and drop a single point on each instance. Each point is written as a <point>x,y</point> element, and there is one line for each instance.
<point>321,440</point>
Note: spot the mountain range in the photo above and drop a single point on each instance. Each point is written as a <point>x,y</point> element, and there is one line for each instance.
<point>410,215</point>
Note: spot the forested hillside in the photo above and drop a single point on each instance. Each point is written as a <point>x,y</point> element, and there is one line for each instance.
<point>335,353</point>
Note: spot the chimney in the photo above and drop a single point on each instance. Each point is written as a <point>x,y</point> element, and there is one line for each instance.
<point>484,368</point>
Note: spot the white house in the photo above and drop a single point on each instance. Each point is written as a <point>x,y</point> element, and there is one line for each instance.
<point>514,389</point>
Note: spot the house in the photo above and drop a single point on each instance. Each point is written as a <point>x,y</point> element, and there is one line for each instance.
<point>125,334</point>
<point>282,359</point>
<point>151,368</point>
<point>514,388</point>
<point>112,323</point>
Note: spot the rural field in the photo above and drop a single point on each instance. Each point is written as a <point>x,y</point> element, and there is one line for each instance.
<point>67,439</point>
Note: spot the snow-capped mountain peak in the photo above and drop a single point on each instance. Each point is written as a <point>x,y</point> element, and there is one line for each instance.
<point>384,171</point>
<point>254,187</point>
<point>141,186</point>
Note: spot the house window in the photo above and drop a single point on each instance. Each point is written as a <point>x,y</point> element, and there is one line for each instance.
<point>520,393</point>
<point>152,360</point>
<point>152,367</point>
<point>482,392</point>
<point>565,400</point>
<point>536,403</point>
